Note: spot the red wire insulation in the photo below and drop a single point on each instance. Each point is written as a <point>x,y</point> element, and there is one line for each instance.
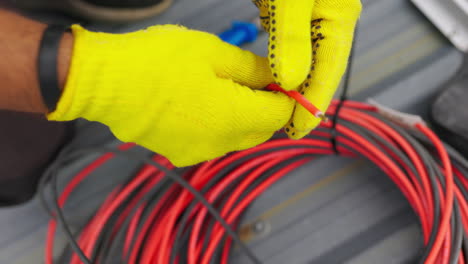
<point>69,189</point>
<point>298,97</point>
<point>156,236</point>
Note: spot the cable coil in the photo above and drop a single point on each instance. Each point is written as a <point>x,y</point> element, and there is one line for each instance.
<point>155,217</point>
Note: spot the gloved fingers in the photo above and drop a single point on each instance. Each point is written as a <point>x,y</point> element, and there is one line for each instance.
<point>302,121</point>
<point>203,154</point>
<point>241,66</point>
<point>290,50</point>
<point>255,115</point>
<point>254,140</point>
<point>266,117</point>
<point>259,111</point>
<point>198,153</point>
<point>332,36</point>
<point>337,10</point>
<point>264,13</point>
<point>248,118</point>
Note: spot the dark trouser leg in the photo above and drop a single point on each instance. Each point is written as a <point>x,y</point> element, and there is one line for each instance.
<point>119,11</point>
<point>28,143</point>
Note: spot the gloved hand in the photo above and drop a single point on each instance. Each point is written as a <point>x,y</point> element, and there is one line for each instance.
<point>310,57</point>
<point>182,93</point>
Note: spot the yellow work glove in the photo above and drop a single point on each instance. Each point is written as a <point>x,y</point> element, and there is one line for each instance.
<point>182,93</point>
<point>310,41</point>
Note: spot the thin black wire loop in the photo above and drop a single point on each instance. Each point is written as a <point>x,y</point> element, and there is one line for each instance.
<point>344,94</point>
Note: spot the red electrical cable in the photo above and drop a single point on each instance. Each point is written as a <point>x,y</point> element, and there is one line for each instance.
<point>156,236</point>
<point>100,222</point>
<point>68,190</point>
<point>298,97</point>
<point>445,223</point>
<point>215,239</point>
<point>132,229</point>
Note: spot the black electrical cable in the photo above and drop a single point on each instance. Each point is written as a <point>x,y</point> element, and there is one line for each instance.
<point>105,237</point>
<point>420,150</point>
<point>432,180</point>
<point>432,169</point>
<point>383,142</point>
<point>50,175</point>
<point>461,188</point>
<point>212,182</point>
<point>457,239</point>
<point>152,198</point>
<point>183,222</point>
<point>63,223</point>
<point>265,175</point>
<point>344,92</point>
<point>433,173</point>
<point>182,237</point>
<point>433,165</point>
<point>109,225</point>
<point>465,245</point>
<point>175,177</point>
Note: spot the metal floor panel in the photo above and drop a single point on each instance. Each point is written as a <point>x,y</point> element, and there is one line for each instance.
<point>332,210</point>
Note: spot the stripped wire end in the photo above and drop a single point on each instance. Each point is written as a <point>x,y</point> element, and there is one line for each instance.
<point>300,99</point>
<point>322,116</point>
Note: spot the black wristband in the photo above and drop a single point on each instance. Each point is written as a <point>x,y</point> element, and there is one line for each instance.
<point>47,65</point>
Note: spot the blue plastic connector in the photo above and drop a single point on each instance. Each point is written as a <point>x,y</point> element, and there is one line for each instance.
<point>240,33</point>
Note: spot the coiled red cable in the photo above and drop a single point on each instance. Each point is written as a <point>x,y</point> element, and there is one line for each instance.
<point>151,235</point>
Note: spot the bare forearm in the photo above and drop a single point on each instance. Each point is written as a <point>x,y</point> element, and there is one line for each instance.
<point>19,45</point>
